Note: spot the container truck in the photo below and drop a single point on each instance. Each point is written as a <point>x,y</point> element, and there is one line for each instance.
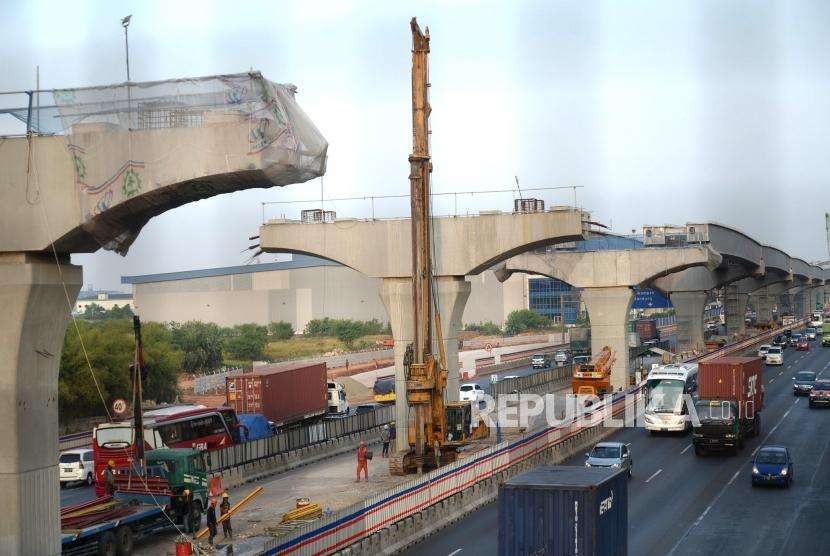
<point>559,510</point>
<point>287,395</point>
<point>142,506</point>
<point>647,329</point>
<point>729,404</point>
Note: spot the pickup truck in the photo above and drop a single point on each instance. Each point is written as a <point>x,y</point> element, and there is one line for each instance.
<point>142,506</point>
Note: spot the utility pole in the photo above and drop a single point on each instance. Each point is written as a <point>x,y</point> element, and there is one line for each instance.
<point>125,23</point>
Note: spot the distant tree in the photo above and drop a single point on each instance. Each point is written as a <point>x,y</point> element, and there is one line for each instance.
<point>93,311</point>
<point>110,346</point>
<point>200,344</point>
<point>347,331</point>
<point>489,328</point>
<point>246,341</point>
<point>524,319</point>
<point>281,330</point>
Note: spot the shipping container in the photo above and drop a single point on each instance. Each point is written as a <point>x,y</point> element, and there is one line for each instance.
<point>738,379</point>
<point>647,329</point>
<point>285,394</point>
<point>559,510</point>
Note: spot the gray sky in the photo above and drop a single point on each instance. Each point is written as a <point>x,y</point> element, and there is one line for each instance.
<point>664,111</point>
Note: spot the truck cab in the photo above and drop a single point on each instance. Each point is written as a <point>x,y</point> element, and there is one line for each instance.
<point>720,427</point>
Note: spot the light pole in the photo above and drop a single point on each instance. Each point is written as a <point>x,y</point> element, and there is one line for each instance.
<point>125,23</point>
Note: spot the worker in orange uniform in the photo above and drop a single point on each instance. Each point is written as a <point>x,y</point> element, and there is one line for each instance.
<point>362,461</point>
<point>224,508</point>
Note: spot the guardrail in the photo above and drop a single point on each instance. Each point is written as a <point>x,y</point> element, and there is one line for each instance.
<point>360,520</point>
<point>295,439</point>
<point>73,441</point>
<point>519,384</point>
<point>749,342</point>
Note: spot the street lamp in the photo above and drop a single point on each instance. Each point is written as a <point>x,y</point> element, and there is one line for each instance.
<point>125,23</point>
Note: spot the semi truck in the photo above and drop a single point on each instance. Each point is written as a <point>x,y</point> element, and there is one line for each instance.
<point>143,505</point>
<point>729,404</point>
<point>288,395</point>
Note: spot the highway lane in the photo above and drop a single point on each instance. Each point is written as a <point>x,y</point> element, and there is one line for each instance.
<point>672,489</point>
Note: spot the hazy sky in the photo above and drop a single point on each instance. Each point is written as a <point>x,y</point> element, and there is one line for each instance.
<point>665,111</point>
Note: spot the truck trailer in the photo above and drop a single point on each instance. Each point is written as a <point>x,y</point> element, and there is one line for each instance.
<point>564,510</point>
<point>287,395</point>
<point>729,404</point>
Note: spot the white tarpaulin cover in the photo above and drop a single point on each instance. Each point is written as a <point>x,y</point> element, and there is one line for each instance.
<point>130,142</point>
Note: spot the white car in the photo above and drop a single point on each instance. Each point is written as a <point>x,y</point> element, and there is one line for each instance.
<point>76,466</point>
<point>471,392</point>
<point>561,357</point>
<point>762,351</point>
<point>775,356</point>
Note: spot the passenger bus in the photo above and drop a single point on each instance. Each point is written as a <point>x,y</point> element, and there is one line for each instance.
<point>198,427</point>
<point>665,387</point>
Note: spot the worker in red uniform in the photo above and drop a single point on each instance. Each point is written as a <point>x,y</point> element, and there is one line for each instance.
<point>362,462</point>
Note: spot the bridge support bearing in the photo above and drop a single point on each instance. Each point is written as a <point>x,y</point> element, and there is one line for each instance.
<point>396,295</point>
<point>735,309</point>
<point>35,315</point>
<point>688,306</point>
<point>608,310</point>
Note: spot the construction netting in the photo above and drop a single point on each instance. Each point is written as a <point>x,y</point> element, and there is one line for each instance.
<point>221,133</point>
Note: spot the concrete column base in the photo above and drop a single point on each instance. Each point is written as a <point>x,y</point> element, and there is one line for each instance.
<point>396,295</point>
<point>763,307</point>
<point>35,315</point>
<point>608,310</point>
<point>735,309</point>
<point>688,306</point>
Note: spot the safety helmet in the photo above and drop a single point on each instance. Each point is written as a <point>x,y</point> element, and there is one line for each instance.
<point>111,463</point>
<point>225,495</point>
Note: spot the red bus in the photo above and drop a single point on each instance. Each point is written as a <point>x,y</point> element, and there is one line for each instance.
<point>197,427</point>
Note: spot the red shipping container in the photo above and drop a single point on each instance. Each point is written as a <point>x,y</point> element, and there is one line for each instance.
<point>738,379</point>
<point>285,394</point>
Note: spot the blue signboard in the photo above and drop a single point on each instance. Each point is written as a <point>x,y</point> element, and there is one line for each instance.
<point>650,299</point>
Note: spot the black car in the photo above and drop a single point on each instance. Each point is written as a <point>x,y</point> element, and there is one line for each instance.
<point>781,341</point>
<point>803,383</point>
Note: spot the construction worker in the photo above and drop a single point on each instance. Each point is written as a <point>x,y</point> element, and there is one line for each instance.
<point>224,508</point>
<point>384,437</point>
<point>109,478</point>
<point>186,510</point>
<point>211,521</point>
<point>362,463</point>
<point>436,446</point>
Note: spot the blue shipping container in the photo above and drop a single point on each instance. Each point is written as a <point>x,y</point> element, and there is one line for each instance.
<point>564,510</point>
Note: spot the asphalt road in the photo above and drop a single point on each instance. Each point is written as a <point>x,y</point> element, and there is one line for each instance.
<point>683,504</point>
<point>76,493</point>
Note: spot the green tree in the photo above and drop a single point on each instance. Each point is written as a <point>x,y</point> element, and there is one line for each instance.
<point>281,330</point>
<point>524,319</point>
<point>489,328</point>
<point>246,341</point>
<point>110,346</point>
<point>200,344</point>
<point>347,331</point>
<point>93,311</point>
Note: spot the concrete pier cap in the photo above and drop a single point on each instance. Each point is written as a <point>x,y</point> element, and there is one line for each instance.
<point>463,246</point>
<point>115,157</point>
<point>606,278</point>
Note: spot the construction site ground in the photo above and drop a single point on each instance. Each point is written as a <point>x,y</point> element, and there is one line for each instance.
<point>330,483</point>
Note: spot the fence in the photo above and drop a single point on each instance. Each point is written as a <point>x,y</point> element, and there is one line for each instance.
<point>77,440</point>
<point>212,382</point>
<point>294,439</point>
<point>522,383</point>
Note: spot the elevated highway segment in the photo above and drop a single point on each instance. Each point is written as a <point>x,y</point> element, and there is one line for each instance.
<point>681,504</point>
<point>606,279</point>
<point>463,246</point>
<point>118,156</point>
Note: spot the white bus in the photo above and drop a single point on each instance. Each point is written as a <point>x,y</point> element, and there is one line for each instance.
<point>665,387</point>
<point>816,319</point>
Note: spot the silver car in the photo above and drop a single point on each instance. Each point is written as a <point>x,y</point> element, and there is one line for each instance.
<point>610,454</point>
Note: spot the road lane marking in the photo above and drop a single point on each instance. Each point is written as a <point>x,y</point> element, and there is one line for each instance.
<point>729,483</point>
<point>655,474</point>
<point>772,380</point>
<point>686,449</point>
<point>454,552</point>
